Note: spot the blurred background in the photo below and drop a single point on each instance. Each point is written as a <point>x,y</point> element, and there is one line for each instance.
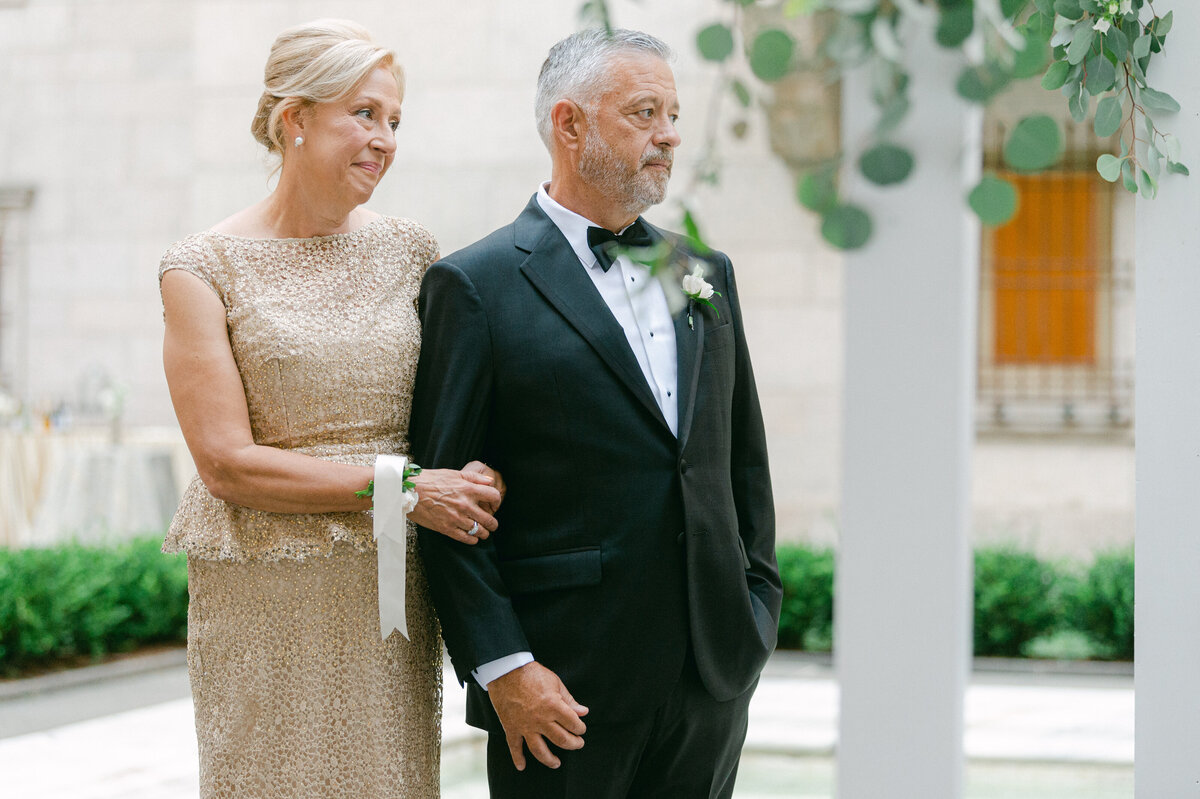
<point>124,126</point>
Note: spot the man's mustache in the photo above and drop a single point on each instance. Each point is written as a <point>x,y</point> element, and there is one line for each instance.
<point>664,156</point>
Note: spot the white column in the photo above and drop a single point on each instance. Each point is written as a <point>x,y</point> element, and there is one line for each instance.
<point>1168,445</point>
<point>903,619</point>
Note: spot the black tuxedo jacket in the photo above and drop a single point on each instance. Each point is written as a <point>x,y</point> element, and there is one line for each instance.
<point>620,545</point>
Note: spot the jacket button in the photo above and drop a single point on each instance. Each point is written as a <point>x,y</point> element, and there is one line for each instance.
<point>683,467</point>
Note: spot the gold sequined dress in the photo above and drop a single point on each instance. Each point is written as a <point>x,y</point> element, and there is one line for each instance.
<point>295,695</point>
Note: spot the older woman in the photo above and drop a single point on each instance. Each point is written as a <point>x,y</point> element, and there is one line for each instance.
<point>290,348</point>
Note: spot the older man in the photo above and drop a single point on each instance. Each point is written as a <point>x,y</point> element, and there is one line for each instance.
<point>615,625</point>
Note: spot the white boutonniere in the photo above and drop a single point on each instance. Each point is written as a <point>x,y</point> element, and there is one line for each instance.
<point>697,289</point>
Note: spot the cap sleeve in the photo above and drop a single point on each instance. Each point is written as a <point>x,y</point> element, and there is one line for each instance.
<point>192,255</point>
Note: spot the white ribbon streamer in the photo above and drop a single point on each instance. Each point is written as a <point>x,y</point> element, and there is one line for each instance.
<point>392,505</point>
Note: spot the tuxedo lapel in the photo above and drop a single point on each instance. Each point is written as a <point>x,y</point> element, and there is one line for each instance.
<point>554,270</point>
<point>689,343</point>
<point>689,338</point>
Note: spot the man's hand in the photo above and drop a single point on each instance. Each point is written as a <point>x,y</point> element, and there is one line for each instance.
<point>535,707</point>
<point>497,481</point>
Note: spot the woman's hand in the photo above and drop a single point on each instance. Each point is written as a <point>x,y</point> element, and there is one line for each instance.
<point>497,480</point>
<point>452,501</point>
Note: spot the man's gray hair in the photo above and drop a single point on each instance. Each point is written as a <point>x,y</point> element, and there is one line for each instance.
<point>577,69</point>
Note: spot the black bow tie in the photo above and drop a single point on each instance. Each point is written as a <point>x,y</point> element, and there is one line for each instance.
<point>604,242</point>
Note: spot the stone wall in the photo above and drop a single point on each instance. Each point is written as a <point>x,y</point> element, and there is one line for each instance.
<point>130,119</point>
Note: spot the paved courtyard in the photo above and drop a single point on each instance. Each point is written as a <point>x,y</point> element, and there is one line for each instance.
<point>1029,736</point>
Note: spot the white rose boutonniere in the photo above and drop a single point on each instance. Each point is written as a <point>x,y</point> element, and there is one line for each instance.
<point>697,290</point>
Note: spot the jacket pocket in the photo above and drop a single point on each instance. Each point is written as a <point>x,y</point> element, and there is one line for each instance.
<point>573,569</point>
<point>717,337</point>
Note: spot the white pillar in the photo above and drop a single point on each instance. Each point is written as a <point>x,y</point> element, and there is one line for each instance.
<point>903,617</point>
<point>1168,445</point>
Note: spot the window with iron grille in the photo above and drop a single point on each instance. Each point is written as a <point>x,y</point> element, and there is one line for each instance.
<point>1056,302</point>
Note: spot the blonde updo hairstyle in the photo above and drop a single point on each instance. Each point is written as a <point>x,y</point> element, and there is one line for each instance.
<point>317,62</point>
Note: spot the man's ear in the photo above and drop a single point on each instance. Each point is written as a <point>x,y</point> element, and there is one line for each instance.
<point>568,123</point>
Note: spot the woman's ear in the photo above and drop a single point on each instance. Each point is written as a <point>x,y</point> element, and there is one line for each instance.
<point>292,117</point>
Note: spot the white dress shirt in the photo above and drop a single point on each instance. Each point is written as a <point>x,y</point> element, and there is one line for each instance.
<point>640,306</point>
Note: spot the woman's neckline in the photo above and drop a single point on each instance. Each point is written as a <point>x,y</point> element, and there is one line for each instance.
<point>327,237</point>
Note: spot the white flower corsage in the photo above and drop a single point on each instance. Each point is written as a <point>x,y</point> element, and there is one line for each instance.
<point>697,290</point>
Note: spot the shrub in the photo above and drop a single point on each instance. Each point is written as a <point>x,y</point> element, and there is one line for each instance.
<point>1016,601</point>
<point>1101,604</point>
<point>806,618</point>
<point>71,600</point>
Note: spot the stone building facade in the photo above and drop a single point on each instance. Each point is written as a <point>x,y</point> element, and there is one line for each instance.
<point>124,126</point>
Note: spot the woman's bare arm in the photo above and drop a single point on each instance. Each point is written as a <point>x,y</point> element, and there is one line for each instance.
<point>210,403</point>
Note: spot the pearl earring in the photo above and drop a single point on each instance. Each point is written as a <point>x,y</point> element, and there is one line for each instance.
<point>299,140</point>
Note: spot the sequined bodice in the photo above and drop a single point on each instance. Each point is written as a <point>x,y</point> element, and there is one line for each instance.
<point>326,338</point>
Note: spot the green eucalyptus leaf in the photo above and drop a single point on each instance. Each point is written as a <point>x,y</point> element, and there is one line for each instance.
<point>1153,161</point>
<point>1078,105</point>
<point>816,191</point>
<point>1148,184</point>
<point>1177,168</point>
<point>1109,167</point>
<point>692,230</point>
<point>1032,58</point>
<point>846,227</point>
<point>1162,25</point>
<point>980,84</point>
<point>1101,75</point>
<point>1046,7</point>
<point>885,164</point>
<point>1056,75</point>
<point>1141,46</point>
<point>994,201</point>
<point>1108,116</point>
<point>1117,43</point>
<point>1127,179</point>
<point>1147,124</point>
<point>1035,144</point>
<point>715,42</point>
<point>1171,142</point>
<point>892,113</point>
<point>1010,8</point>
<point>1068,8</point>
<point>955,24</point>
<point>1081,42</point>
<point>771,54</point>
<point>741,93</point>
<point>1159,101</point>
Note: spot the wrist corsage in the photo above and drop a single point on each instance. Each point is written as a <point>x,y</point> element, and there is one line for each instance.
<point>410,488</point>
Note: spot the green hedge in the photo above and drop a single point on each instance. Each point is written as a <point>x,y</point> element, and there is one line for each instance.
<point>74,600</point>
<point>806,618</point>
<point>1022,603</point>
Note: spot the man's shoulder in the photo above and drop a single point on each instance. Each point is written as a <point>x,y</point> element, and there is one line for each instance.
<point>495,245</point>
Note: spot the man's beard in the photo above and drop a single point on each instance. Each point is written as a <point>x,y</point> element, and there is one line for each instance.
<point>634,188</point>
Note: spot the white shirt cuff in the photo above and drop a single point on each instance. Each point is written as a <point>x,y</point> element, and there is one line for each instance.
<point>497,668</point>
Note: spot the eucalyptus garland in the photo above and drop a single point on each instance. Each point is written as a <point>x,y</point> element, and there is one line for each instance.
<point>1089,50</point>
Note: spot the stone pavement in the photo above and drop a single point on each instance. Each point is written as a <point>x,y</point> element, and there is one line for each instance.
<point>149,751</point>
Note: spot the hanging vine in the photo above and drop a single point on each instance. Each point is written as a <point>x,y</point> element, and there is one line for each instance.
<point>1086,49</point>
